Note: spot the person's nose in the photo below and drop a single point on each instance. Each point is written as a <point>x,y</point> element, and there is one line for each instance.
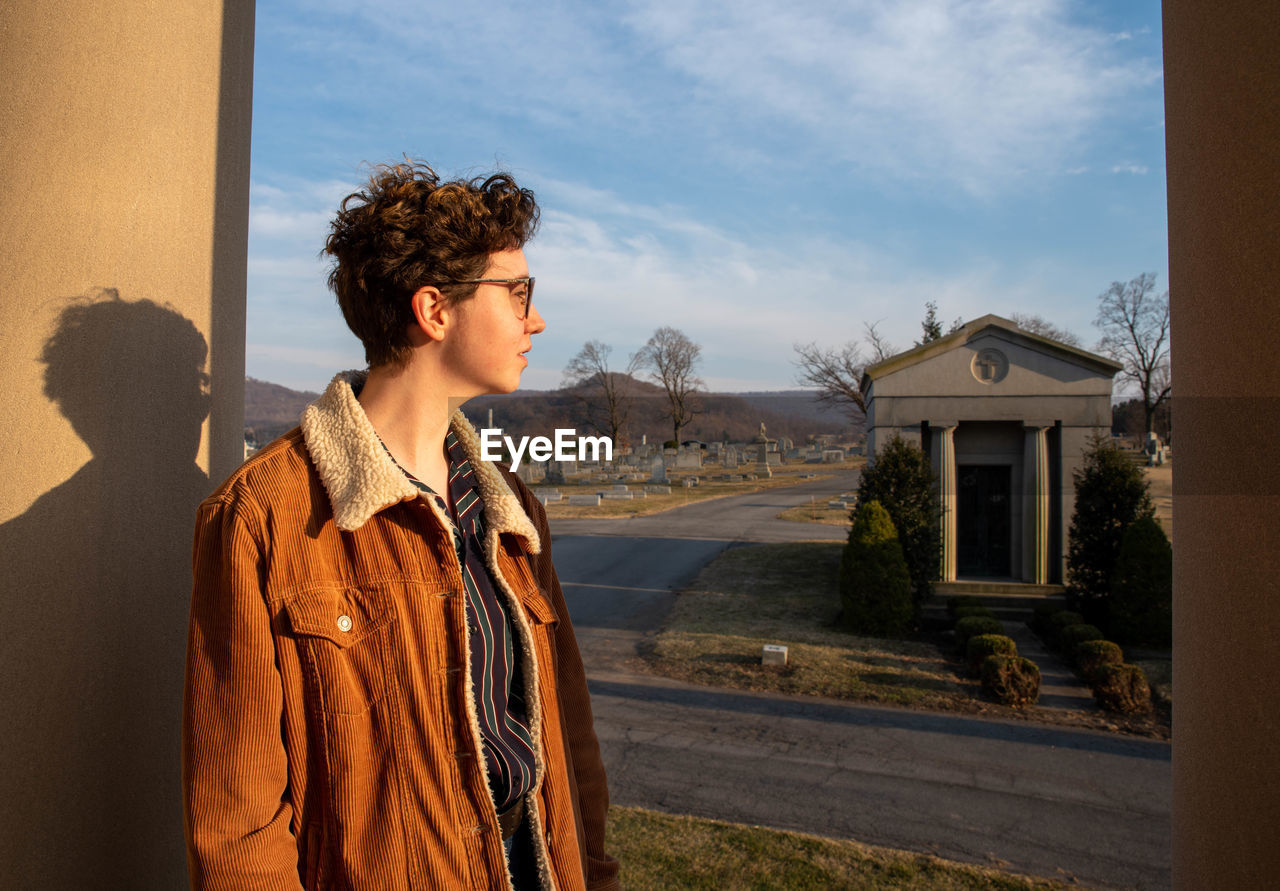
<point>534,323</point>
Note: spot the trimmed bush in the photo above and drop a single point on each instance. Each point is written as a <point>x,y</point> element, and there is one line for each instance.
<point>1122,688</point>
<point>984,645</point>
<point>972,627</point>
<point>965,612</point>
<point>960,601</point>
<point>900,478</point>
<point>1092,655</point>
<point>1040,618</point>
<point>1111,493</point>
<point>1142,586</point>
<point>1063,618</point>
<point>1012,680</point>
<point>875,588</point>
<point>1076,634</point>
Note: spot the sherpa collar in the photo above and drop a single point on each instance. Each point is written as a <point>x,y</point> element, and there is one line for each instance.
<point>361,478</point>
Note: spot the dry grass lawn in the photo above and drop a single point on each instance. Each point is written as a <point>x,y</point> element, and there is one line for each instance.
<point>818,512</point>
<point>786,594</point>
<point>1160,481</point>
<point>658,852</point>
<point>708,488</point>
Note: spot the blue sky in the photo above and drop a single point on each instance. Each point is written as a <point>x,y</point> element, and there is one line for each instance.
<point>756,174</point>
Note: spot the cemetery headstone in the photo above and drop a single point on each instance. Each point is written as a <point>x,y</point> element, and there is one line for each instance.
<point>689,459</point>
<point>657,469</point>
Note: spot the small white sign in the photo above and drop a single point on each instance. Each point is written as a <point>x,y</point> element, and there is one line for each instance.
<point>774,654</point>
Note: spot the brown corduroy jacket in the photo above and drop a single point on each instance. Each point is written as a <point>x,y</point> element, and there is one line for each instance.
<point>329,733</point>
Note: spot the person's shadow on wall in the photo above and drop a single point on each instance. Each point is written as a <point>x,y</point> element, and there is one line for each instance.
<point>96,586</point>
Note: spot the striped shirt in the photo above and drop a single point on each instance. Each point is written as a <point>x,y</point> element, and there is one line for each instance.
<point>496,676</point>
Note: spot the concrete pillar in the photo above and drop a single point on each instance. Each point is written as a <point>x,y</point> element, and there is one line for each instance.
<point>124,128</point>
<point>1035,505</point>
<point>944,465</point>
<point>1222,79</point>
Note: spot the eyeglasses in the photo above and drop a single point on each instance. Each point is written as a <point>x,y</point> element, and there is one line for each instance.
<point>521,299</point>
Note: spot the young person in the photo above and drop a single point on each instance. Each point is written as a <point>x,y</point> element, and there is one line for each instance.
<point>383,686</point>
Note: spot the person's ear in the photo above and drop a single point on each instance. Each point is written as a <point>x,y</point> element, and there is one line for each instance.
<point>430,312</point>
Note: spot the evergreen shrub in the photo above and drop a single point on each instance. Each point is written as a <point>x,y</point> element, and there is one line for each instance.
<point>1077,634</point>
<point>983,645</point>
<point>965,612</point>
<point>1040,616</point>
<point>1012,680</point>
<point>1092,655</point>
<point>875,587</point>
<point>1063,618</point>
<point>901,479</point>
<point>1142,586</point>
<point>1111,493</point>
<point>1122,688</point>
<point>958,602</point>
<point>972,627</point>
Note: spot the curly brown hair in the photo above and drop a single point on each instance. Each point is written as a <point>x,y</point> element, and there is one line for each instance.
<point>407,229</point>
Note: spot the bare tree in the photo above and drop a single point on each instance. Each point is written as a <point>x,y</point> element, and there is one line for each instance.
<point>602,396</point>
<point>1135,332</point>
<point>837,373</point>
<point>881,349</point>
<point>1045,328</point>
<point>672,359</point>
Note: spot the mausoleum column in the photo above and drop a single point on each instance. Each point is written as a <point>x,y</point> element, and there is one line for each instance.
<point>944,465</point>
<point>1035,505</point>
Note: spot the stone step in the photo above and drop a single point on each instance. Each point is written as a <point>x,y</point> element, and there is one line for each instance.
<point>984,588</point>
<point>1008,600</point>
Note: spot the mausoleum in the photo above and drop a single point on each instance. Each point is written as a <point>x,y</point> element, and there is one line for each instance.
<point>1005,417</point>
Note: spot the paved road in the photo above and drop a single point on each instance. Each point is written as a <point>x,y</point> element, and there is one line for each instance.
<point>1067,804</point>
<point>1036,799</point>
<point>751,517</point>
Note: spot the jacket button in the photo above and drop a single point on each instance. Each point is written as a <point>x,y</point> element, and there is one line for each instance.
<point>344,623</point>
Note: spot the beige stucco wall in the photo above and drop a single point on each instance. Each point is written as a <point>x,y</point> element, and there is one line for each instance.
<point>1222,80</point>
<point>124,129</point>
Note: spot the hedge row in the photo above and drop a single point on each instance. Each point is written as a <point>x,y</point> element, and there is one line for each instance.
<point>1117,687</point>
<point>991,655</point>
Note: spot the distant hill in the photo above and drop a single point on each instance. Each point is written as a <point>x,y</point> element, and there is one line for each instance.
<point>799,404</point>
<point>271,410</point>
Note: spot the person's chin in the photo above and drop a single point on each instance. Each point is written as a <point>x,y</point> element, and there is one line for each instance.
<point>507,386</point>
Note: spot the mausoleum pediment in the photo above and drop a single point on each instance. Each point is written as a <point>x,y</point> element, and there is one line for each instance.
<point>987,357</point>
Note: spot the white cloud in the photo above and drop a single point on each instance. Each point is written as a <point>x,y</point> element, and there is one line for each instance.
<point>967,93</point>
<point>605,275</point>
<point>1130,167</point>
<point>963,92</point>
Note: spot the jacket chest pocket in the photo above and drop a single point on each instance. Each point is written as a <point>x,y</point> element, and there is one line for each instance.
<point>343,639</point>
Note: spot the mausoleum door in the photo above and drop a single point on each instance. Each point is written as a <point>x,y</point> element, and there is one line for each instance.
<point>984,522</point>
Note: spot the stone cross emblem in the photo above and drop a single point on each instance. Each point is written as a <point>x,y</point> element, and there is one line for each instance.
<point>990,366</point>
